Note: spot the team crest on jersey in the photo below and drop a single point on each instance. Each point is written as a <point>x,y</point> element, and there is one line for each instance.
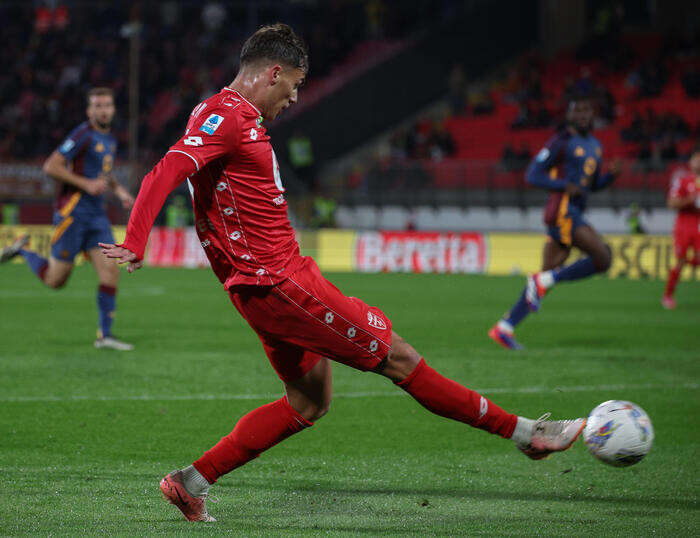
<point>211,124</point>
<point>375,321</point>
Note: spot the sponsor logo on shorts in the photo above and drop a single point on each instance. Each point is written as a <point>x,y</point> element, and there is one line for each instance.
<point>329,317</point>
<point>373,345</point>
<point>375,321</point>
<point>352,332</point>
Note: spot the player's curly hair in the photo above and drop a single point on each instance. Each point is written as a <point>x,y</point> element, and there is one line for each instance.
<point>276,42</point>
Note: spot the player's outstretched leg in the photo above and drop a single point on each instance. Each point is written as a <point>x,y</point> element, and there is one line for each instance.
<point>52,272</point>
<point>306,401</point>
<point>108,275</point>
<point>598,261</point>
<point>502,333</point>
<point>447,398</point>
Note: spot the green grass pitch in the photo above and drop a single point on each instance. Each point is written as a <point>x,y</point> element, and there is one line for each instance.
<point>86,434</point>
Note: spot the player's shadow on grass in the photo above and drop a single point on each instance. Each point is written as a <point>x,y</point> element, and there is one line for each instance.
<point>427,492</point>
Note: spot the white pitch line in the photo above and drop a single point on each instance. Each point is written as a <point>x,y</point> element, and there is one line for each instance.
<point>205,397</point>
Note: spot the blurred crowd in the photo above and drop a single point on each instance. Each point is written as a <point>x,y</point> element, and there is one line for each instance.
<point>54,51</point>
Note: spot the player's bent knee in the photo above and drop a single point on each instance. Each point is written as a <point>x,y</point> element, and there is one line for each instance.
<point>401,361</point>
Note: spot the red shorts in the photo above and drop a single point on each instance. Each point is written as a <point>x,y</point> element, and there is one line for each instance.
<point>683,238</point>
<point>306,318</point>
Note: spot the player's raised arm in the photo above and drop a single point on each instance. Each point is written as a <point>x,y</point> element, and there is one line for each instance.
<point>214,138</point>
<point>538,172</point>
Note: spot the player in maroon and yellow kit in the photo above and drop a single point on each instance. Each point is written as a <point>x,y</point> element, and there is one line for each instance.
<point>684,196</point>
<point>303,321</point>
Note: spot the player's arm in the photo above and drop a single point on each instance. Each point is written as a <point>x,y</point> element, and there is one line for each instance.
<point>189,155</point>
<point>601,181</point>
<point>56,166</point>
<point>538,172</point>
<point>121,192</point>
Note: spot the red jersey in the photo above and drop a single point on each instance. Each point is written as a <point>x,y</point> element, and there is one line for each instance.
<point>683,185</point>
<point>237,193</point>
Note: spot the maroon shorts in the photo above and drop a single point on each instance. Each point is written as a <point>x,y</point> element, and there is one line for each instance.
<point>306,318</point>
<point>685,237</point>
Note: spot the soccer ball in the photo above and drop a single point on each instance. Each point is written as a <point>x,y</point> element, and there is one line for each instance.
<point>618,433</point>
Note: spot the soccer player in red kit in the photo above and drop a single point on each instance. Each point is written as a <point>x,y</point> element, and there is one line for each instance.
<point>684,196</point>
<point>303,321</point>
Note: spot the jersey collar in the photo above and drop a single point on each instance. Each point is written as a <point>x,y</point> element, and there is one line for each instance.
<point>246,100</point>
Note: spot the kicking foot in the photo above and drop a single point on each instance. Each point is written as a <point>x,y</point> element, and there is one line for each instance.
<point>504,338</point>
<point>552,436</point>
<point>110,342</point>
<point>11,251</point>
<point>535,291</point>
<point>668,302</point>
<point>193,508</point>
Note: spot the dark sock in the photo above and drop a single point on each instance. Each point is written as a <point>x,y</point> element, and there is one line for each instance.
<point>38,264</point>
<point>579,269</point>
<point>106,302</point>
<point>518,312</point>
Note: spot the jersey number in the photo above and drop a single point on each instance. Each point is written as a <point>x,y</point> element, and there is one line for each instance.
<point>276,172</point>
<point>193,141</point>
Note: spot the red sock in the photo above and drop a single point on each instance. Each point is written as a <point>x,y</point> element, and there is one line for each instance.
<point>254,433</point>
<point>672,281</point>
<point>449,399</point>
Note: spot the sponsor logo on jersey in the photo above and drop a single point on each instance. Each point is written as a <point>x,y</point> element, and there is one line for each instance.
<point>211,124</point>
<point>375,321</point>
<point>193,141</point>
<point>67,145</point>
